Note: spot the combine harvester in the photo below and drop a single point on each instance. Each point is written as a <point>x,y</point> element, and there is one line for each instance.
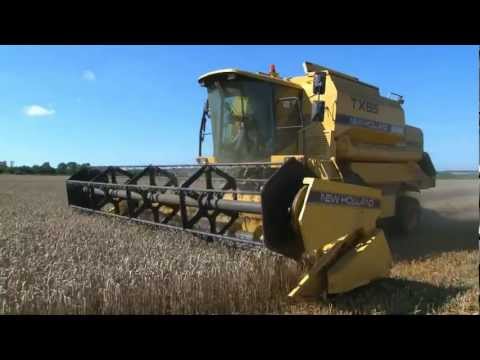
<point>306,166</point>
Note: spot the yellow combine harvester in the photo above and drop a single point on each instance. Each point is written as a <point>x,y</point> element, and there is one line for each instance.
<point>308,166</point>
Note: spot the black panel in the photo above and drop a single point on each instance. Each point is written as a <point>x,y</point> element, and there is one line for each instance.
<point>319,81</point>
<point>75,194</point>
<point>277,198</point>
<point>427,166</point>
<point>369,124</point>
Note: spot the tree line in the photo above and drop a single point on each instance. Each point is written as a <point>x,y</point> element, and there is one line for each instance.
<point>44,169</point>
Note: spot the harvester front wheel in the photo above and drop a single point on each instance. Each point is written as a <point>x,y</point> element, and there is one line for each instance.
<point>408,214</point>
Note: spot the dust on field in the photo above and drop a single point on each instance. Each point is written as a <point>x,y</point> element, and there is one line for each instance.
<point>56,260</point>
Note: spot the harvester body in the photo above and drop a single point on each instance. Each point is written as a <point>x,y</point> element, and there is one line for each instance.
<point>307,166</point>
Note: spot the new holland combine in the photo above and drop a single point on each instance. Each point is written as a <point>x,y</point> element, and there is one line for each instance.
<point>307,166</point>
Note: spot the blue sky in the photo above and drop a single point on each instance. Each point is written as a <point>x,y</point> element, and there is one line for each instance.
<point>142,104</point>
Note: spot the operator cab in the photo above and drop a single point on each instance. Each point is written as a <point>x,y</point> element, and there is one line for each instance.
<point>253,116</point>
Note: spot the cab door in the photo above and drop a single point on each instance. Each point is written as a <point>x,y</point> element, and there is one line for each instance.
<point>288,121</point>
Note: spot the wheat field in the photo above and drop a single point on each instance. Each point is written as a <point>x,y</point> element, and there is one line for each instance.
<point>54,260</point>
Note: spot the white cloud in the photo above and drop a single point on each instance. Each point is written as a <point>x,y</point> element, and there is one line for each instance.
<point>37,110</point>
<point>89,75</point>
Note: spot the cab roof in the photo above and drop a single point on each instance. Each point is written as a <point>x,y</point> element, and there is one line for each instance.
<point>257,76</point>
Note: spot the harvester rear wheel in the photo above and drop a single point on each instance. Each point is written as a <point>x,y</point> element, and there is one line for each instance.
<point>408,214</point>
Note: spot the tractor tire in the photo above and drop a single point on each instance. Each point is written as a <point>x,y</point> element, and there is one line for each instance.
<point>407,215</point>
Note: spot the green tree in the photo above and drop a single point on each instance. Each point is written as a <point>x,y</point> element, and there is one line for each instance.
<point>62,168</point>
<point>72,167</point>
<point>22,170</point>
<point>46,169</point>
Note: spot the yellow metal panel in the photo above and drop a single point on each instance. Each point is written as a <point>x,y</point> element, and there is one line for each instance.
<point>376,152</point>
<point>359,134</point>
<point>330,99</point>
<point>206,160</point>
<point>346,264</point>
<point>388,205</point>
<point>414,137</point>
<point>324,169</point>
<point>321,223</point>
<point>249,223</point>
<point>353,94</point>
<point>369,260</point>
<point>309,67</point>
<point>283,158</point>
<point>384,173</point>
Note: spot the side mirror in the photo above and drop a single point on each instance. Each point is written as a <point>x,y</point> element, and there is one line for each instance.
<point>318,111</point>
<point>319,80</point>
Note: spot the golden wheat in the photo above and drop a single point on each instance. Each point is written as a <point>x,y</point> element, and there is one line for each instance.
<point>54,260</point>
